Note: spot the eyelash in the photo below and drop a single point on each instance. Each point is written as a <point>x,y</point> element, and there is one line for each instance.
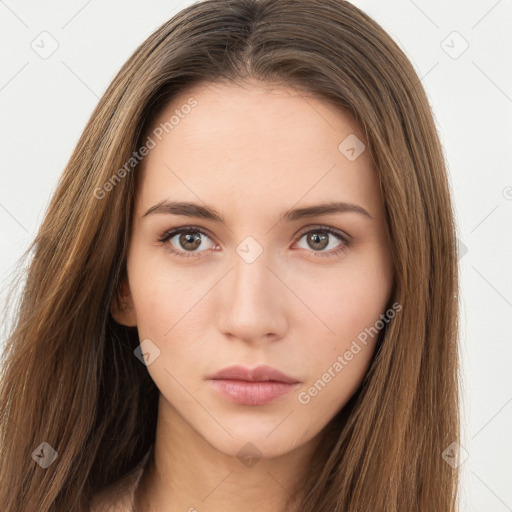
<point>193,229</point>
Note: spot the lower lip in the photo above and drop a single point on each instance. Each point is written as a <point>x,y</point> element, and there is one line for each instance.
<point>252,393</point>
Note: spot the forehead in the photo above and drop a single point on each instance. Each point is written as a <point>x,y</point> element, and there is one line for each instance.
<point>225,111</point>
<point>251,142</point>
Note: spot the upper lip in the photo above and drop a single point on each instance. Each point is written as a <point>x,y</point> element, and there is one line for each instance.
<point>258,374</point>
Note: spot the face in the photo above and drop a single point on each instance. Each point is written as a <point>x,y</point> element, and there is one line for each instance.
<point>258,268</point>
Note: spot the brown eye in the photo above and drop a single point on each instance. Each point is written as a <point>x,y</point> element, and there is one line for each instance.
<point>187,242</point>
<point>317,240</point>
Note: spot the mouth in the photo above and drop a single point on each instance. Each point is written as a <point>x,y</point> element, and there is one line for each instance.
<point>257,386</point>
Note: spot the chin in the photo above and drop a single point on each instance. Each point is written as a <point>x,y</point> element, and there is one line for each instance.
<point>247,445</point>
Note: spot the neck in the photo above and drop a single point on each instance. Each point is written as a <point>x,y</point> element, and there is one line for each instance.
<point>187,473</point>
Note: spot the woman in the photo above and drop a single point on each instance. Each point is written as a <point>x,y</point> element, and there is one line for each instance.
<point>243,295</point>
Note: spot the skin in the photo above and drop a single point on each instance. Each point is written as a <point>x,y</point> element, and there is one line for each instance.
<point>251,152</point>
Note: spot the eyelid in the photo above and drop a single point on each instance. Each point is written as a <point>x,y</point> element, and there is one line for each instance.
<point>319,227</point>
<point>187,227</point>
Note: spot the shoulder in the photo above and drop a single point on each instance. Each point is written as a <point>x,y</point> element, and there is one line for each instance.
<point>117,497</point>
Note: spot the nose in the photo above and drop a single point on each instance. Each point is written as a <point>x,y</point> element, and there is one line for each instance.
<point>253,301</point>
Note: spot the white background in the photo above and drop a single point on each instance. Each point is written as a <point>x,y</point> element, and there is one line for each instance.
<point>45,104</point>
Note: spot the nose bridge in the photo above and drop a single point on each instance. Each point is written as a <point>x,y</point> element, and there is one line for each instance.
<point>251,277</point>
<point>252,305</point>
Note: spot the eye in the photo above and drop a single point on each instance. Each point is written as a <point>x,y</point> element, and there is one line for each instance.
<point>320,238</point>
<point>188,239</point>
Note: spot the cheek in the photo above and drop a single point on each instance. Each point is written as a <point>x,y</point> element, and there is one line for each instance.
<point>338,363</point>
<point>174,311</point>
<point>349,299</point>
<point>162,292</point>
<point>350,306</point>
<point>169,314</point>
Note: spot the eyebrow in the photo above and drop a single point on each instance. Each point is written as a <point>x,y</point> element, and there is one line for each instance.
<point>187,209</point>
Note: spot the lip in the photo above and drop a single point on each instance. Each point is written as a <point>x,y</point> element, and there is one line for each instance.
<point>259,374</point>
<point>256,386</point>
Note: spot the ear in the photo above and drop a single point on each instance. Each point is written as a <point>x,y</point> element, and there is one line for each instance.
<point>122,307</point>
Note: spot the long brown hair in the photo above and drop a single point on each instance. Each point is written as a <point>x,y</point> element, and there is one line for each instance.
<point>69,374</point>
